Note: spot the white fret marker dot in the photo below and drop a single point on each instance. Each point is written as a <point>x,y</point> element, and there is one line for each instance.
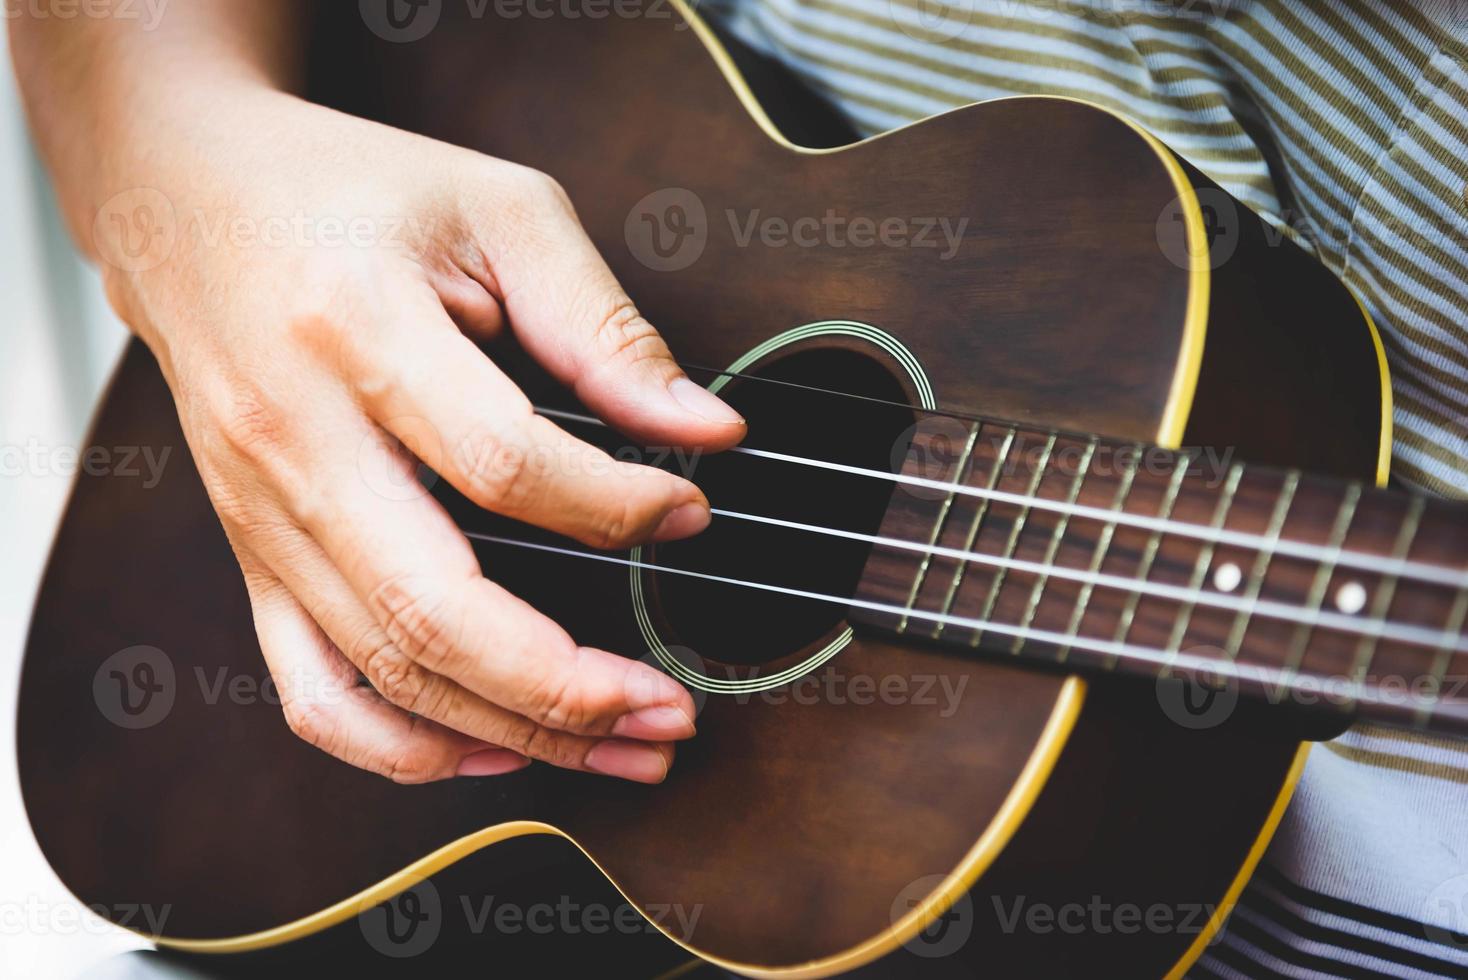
<point>1226,577</point>
<point>1350,598</point>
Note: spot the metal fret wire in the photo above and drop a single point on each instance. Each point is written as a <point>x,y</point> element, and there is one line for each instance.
<point>1174,661</point>
<point>1015,530</point>
<point>1098,557</point>
<point>1387,587</point>
<point>1054,546</point>
<point>974,527</point>
<point>1149,555</point>
<point>1443,657</point>
<point>1321,582</point>
<point>1261,564</point>
<point>1399,568</point>
<point>1205,558</point>
<point>922,572</point>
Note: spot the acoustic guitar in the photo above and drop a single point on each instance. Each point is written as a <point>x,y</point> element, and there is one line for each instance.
<point>1059,532</point>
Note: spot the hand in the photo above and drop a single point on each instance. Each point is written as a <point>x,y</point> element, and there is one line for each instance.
<point>291,360</point>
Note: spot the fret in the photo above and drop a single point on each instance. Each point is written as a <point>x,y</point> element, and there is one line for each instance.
<point>943,509</point>
<point>1103,542</point>
<point>1385,590</point>
<point>1260,567</point>
<point>1014,533</point>
<point>1055,536</point>
<point>1319,584</point>
<point>1149,555</point>
<point>1363,604</point>
<point>974,527</point>
<point>1443,656</point>
<point>1205,558</point>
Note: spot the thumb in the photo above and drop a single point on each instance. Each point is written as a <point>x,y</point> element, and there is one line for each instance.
<point>570,313</point>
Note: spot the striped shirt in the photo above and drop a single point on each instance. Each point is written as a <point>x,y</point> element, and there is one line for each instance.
<point>1344,123</point>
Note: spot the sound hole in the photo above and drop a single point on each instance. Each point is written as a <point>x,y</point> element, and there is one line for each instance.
<point>745,627</point>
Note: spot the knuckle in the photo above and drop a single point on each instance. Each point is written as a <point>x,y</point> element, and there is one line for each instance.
<point>618,527</point>
<point>415,622</point>
<point>237,508</point>
<point>249,423</point>
<point>312,723</point>
<point>499,473</point>
<point>622,335</point>
<point>326,310</point>
<point>555,701</point>
<point>535,741</point>
<point>545,191</point>
<point>523,199</point>
<point>413,764</point>
<point>395,677</point>
<point>313,326</point>
<point>409,770</point>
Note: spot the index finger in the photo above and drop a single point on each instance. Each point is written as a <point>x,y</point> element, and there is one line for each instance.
<point>417,574</point>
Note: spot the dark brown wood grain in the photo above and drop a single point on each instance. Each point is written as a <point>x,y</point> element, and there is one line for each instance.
<point>794,827</point>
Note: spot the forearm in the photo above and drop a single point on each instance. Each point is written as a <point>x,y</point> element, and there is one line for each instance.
<point>113,99</point>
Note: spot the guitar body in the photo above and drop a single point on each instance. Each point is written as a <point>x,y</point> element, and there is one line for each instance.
<point>813,834</point>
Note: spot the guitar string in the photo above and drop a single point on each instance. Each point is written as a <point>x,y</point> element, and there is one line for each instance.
<point>1174,660</point>
<point>1377,628</point>
<point>1399,568</point>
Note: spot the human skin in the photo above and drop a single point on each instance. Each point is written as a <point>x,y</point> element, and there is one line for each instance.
<point>304,375</point>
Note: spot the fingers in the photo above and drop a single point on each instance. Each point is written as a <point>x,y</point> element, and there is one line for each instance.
<point>409,566</point>
<point>404,683</point>
<point>324,706</point>
<point>569,312</point>
<point>466,420</point>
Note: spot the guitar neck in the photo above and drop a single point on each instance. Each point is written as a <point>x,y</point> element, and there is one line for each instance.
<point>1110,556</point>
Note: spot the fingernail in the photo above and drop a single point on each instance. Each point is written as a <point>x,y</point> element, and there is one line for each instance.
<point>660,722</point>
<point>683,521</point>
<point>703,403</point>
<point>628,760</point>
<point>492,762</point>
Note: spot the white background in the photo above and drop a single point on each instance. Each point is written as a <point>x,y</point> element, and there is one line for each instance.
<point>58,342</point>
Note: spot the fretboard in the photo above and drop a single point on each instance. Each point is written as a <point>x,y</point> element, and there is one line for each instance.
<point>1108,556</point>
